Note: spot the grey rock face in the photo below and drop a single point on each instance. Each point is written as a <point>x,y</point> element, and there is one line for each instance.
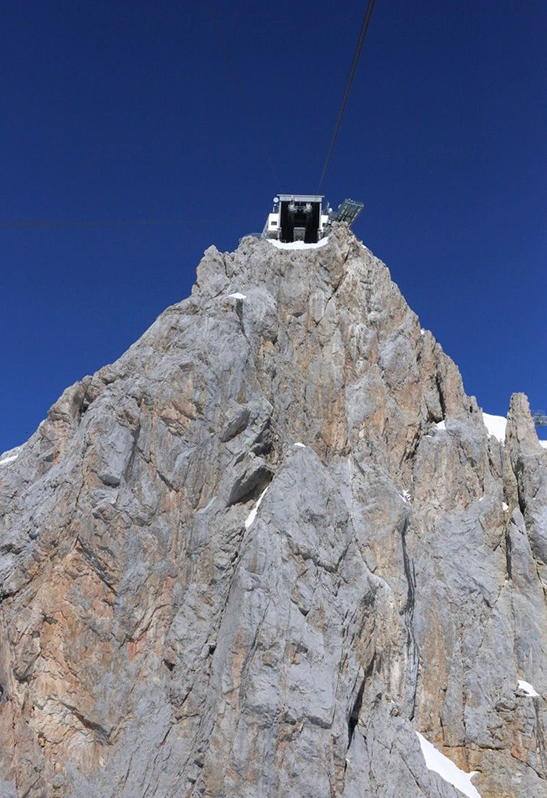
<point>262,549</point>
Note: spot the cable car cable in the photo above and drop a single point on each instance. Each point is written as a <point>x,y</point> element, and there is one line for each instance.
<point>360,42</point>
<point>109,222</point>
<point>241,89</point>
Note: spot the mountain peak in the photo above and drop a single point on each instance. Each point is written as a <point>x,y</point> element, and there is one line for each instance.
<point>266,548</point>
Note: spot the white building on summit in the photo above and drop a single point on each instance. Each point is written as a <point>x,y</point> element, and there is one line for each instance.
<point>302,217</point>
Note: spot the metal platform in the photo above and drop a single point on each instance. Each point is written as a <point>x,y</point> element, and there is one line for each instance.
<point>347,212</point>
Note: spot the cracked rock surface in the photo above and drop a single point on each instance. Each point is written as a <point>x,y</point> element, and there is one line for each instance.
<point>193,606</point>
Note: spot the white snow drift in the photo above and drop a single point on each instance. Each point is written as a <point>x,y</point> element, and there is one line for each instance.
<point>527,689</point>
<point>495,425</point>
<point>252,515</point>
<point>444,766</point>
<point>298,244</point>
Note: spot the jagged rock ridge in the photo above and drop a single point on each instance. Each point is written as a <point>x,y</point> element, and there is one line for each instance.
<point>265,547</point>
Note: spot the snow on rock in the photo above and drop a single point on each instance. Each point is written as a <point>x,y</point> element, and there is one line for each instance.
<point>495,425</point>
<point>252,515</point>
<point>298,244</point>
<point>441,425</point>
<point>543,443</point>
<point>505,506</point>
<point>7,460</point>
<point>10,456</point>
<point>450,772</point>
<point>237,296</point>
<point>299,445</point>
<point>527,689</point>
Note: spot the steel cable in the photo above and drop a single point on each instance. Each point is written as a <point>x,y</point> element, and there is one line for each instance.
<point>241,89</point>
<point>107,222</point>
<point>360,42</point>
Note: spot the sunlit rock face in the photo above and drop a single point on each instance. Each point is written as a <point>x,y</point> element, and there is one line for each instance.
<point>257,554</point>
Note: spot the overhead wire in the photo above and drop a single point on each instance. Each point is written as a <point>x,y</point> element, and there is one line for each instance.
<point>353,69</point>
<point>241,89</point>
<point>106,222</point>
<point>156,222</point>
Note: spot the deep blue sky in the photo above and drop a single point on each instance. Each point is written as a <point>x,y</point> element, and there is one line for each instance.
<point>127,110</point>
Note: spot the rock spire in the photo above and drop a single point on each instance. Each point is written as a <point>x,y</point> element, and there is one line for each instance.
<point>266,548</point>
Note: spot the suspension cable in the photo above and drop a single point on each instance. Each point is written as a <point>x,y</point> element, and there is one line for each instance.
<point>362,34</point>
<point>241,89</point>
<point>108,222</point>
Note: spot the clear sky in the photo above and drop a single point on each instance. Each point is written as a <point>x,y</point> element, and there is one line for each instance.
<point>129,111</point>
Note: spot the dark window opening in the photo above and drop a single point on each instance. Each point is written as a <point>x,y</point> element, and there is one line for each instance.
<point>300,221</point>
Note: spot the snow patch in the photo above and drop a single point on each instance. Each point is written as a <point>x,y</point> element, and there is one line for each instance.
<point>441,764</point>
<point>441,425</point>
<point>422,331</point>
<point>252,515</point>
<point>237,296</point>
<point>505,506</point>
<point>495,425</point>
<point>298,244</point>
<point>406,496</point>
<point>527,689</point>
<point>10,456</point>
<point>300,445</point>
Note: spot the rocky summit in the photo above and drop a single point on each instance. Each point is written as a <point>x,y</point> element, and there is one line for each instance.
<point>273,552</point>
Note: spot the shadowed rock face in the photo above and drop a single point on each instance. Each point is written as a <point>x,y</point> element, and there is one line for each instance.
<point>157,642</point>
